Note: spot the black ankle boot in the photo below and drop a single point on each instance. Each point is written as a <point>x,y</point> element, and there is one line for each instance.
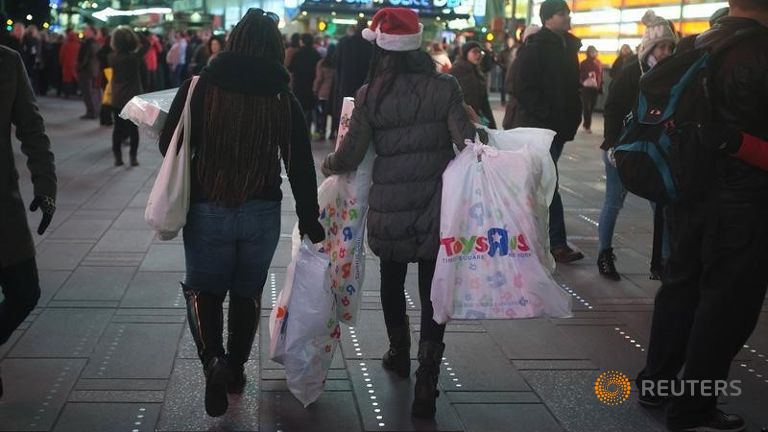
<point>425,392</point>
<point>243,322</point>
<point>398,358</point>
<point>206,322</point>
<point>606,265</point>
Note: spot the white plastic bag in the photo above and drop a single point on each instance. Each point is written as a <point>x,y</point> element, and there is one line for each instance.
<point>303,326</point>
<point>493,261</point>
<point>168,202</point>
<point>150,110</point>
<point>343,201</point>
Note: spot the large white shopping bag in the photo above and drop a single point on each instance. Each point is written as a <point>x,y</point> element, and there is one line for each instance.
<point>493,261</point>
<point>343,201</point>
<point>303,326</point>
<point>168,203</point>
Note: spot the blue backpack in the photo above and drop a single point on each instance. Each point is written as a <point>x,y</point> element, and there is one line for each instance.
<point>660,155</point>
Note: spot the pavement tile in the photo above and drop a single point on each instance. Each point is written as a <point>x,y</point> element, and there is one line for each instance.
<point>100,417</point>
<point>184,408</point>
<point>164,258</point>
<point>506,417</point>
<point>154,290</point>
<point>334,411</point>
<point>96,284</point>
<point>63,333</point>
<point>131,350</point>
<point>35,390</point>
<point>570,397</point>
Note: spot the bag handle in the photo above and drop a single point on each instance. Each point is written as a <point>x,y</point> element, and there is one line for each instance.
<point>185,122</point>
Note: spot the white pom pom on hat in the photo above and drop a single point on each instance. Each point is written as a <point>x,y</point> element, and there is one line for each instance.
<point>395,29</point>
<point>657,30</point>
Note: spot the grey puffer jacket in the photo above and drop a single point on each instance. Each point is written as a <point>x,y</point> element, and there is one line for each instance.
<point>413,129</point>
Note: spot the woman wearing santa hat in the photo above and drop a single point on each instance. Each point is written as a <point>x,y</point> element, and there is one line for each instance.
<point>413,116</point>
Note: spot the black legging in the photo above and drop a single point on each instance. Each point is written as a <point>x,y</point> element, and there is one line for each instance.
<point>588,101</point>
<point>124,129</point>
<point>393,297</point>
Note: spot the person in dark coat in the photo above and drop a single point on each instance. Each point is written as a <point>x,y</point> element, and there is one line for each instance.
<point>88,72</point>
<point>547,91</point>
<point>18,269</point>
<point>412,116</point>
<point>510,110</point>
<point>624,54</point>
<point>473,82</point>
<point>105,114</point>
<point>591,77</point>
<point>353,56</point>
<point>715,282</point>
<point>242,129</point>
<point>126,62</point>
<point>303,66</point>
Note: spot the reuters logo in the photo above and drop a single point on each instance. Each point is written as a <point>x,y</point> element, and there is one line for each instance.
<point>612,388</point>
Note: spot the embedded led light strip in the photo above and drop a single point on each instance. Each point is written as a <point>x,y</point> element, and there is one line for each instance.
<point>629,339</point>
<point>451,373</point>
<point>371,392</point>
<point>574,294</point>
<point>761,357</point>
<point>409,300</point>
<point>273,286</point>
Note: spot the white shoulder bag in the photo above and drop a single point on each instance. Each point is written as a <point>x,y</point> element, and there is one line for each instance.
<point>168,202</point>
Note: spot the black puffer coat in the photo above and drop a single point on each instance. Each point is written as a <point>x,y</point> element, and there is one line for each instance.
<point>547,83</point>
<point>412,131</point>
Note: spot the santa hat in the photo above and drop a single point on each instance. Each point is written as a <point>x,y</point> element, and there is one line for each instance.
<point>395,29</point>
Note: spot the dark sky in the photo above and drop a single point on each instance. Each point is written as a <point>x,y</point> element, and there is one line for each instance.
<point>18,9</point>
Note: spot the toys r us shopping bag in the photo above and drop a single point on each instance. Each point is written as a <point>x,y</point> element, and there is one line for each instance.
<point>494,260</point>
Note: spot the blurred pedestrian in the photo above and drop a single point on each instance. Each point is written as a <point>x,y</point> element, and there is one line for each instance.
<point>215,46</point>
<point>440,57</point>
<point>467,71</point>
<point>293,46</point>
<point>126,62</point>
<point>325,73</point>
<point>68,61</point>
<point>105,113</point>
<point>303,66</point>
<point>506,57</point>
<point>591,77</point>
<point>624,55</point>
<point>32,55</point>
<point>353,57</point>
<point>177,58</point>
<point>153,54</point>
<point>241,129</point>
<point>88,72</point>
<point>18,270</point>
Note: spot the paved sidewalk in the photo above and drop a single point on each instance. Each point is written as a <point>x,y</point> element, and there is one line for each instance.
<point>107,348</point>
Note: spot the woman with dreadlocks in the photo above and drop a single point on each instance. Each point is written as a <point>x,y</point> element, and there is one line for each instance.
<point>413,116</point>
<point>244,121</point>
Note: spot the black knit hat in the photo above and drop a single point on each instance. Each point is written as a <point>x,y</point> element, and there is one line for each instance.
<point>469,46</point>
<point>550,8</point>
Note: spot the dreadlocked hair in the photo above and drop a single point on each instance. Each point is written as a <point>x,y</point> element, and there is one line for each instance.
<point>245,135</point>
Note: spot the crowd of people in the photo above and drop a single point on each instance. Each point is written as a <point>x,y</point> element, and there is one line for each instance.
<point>416,108</point>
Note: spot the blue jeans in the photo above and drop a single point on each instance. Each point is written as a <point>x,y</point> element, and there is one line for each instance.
<point>557,236</point>
<point>231,249</point>
<point>615,194</point>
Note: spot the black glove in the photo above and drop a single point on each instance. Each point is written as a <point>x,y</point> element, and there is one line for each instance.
<point>47,205</point>
<point>315,231</point>
<point>722,138</point>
